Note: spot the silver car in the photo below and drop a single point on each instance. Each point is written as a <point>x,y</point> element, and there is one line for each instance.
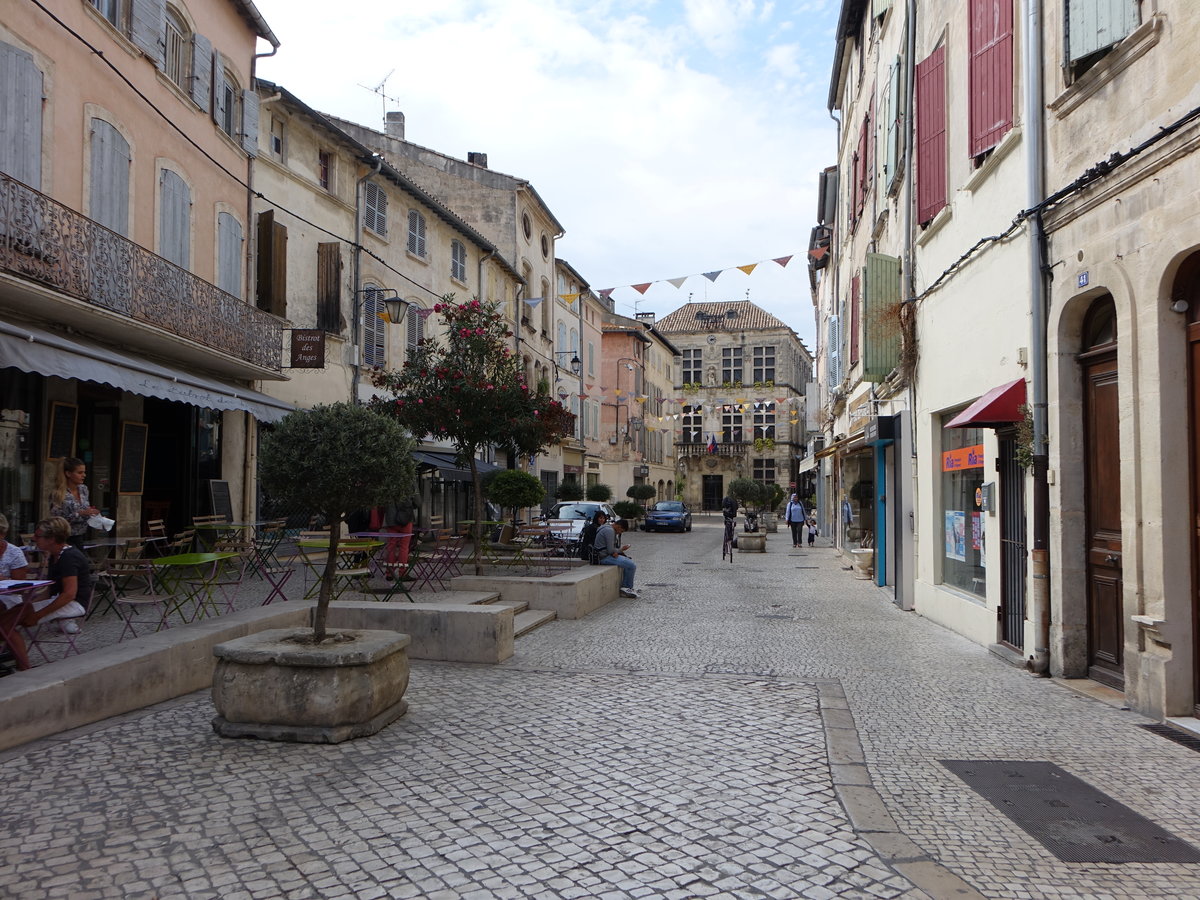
<point>579,513</point>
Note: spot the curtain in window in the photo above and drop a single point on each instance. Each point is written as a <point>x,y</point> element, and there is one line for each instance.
<point>174,222</point>
<point>109,201</point>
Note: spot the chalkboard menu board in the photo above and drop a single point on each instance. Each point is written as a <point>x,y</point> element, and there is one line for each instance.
<point>221,504</point>
<point>132,473</point>
<point>61,440</point>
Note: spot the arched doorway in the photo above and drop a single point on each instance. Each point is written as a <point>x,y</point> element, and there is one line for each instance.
<point>1102,466</point>
<point>1187,290</point>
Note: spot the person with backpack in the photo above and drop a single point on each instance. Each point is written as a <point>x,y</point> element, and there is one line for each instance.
<point>611,552</point>
<point>587,537</point>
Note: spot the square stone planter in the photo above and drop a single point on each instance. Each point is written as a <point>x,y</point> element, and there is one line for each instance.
<point>752,542</point>
<point>269,686</point>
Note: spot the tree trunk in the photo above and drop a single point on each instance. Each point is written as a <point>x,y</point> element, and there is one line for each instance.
<point>323,598</point>
<point>478,515</point>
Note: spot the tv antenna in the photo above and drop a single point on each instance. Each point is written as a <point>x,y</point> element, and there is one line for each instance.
<point>383,97</point>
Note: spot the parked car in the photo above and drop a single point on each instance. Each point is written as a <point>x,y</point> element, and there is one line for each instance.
<point>579,513</point>
<point>668,515</point>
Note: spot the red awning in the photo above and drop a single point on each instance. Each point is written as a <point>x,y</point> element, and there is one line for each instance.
<point>995,409</point>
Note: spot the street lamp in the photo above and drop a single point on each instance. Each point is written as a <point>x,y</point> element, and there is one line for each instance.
<point>576,363</point>
<point>395,307</point>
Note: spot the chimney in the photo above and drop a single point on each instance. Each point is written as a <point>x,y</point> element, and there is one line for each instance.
<point>477,159</point>
<point>646,318</point>
<point>395,125</point>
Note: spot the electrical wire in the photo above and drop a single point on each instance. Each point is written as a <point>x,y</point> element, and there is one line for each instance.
<point>354,245</point>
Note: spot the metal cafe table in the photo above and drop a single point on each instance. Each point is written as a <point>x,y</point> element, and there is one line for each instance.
<point>355,562</point>
<point>190,576</point>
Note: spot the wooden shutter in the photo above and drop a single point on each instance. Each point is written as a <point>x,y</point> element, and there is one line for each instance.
<point>147,27</point>
<point>879,7</point>
<point>175,210</point>
<point>375,209</point>
<point>373,348</point>
<point>893,141</point>
<point>20,116</point>
<point>990,73</point>
<point>881,319</point>
<point>218,90</point>
<point>416,329</point>
<point>834,352</point>
<point>109,189</point>
<point>827,188</point>
<point>250,122</point>
<point>202,60</point>
<point>1093,25</point>
<point>855,317</point>
<point>229,254</point>
<point>271,292</point>
<point>329,287</point>
<point>931,135</point>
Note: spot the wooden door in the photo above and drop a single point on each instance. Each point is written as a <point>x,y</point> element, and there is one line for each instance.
<point>1106,621</point>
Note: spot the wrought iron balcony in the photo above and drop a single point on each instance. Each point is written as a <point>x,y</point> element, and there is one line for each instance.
<point>48,243</point>
<point>689,449</point>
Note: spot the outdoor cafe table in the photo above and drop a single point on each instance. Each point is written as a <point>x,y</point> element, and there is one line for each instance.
<point>16,595</point>
<point>208,533</point>
<point>351,566</point>
<point>184,575</point>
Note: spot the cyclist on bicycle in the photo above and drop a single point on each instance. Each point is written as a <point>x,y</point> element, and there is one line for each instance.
<point>729,508</point>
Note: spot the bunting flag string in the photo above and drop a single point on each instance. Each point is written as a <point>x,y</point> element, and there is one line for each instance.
<point>642,287</point>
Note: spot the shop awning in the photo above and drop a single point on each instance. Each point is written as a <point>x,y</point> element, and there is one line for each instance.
<point>995,409</point>
<point>446,467</point>
<point>43,352</point>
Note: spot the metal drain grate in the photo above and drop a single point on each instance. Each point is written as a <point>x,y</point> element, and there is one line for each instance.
<point>691,563</point>
<point>659,584</point>
<point>1069,817</point>
<point>1174,734</point>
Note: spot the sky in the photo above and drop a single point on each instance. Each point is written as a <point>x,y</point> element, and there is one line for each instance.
<point>670,138</point>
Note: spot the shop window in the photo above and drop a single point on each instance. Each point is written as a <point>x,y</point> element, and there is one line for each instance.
<point>858,501</point>
<point>963,520</point>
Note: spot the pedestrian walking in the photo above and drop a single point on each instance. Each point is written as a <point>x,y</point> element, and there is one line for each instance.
<point>796,517</point>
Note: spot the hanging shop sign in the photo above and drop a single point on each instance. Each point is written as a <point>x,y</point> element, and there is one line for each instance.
<point>308,348</point>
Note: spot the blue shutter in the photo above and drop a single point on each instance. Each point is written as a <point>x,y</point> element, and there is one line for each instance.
<point>109,204</point>
<point>229,254</point>
<point>175,208</point>
<point>218,90</point>
<point>1095,24</point>
<point>202,67</point>
<point>833,353</point>
<point>894,119</point>
<point>373,349</point>
<point>20,116</point>
<point>147,27</point>
<point>250,122</point>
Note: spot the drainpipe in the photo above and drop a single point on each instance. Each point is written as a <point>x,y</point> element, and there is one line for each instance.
<point>1039,607</point>
<point>250,445</point>
<point>354,330</point>
<point>831,506</point>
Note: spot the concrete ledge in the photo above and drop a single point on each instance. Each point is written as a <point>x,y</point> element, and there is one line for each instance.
<point>572,594</point>
<point>113,680</point>
<point>456,632</point>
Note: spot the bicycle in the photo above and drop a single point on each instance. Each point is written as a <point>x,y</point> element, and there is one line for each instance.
<point>730,542</point>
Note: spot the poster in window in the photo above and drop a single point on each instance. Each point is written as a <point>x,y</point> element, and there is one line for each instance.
<point>977,532</point>
<point>956,535</point>
<point>61,440</point>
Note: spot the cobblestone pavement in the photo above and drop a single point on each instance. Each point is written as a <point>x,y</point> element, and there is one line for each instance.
<point>684,744</point>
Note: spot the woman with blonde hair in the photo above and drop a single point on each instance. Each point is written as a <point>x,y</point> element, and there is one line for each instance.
<point>70,500</point>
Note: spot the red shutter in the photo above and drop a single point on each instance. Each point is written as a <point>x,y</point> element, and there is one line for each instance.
<point>854,318</point>
<point>991,73</point>
<point>931,135</point>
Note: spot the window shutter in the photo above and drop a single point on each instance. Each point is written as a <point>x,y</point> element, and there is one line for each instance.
<point>202,60</point>
<point>329,287</point>
<point>110,177</point>
<point>373,348</point>
<point>879,7</point>
<point>250,122</point>
<point>416,330</point>
<point>271,291</point>
<point>229,254</point>
<point>174,219</point>
<point>931,135</point>
<point>834,352</point>
<point>855,317</point>
<point>881,325</point>
<point>827,196</point>
<point>990,73</point>
<point>375,209</point>
<point>894,122</point>
<point>20,116</point>
<point>147,27</point>
<point>218,90</point>
<point>1093,25</point>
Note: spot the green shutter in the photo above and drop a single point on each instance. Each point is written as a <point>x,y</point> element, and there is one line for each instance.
<point>881,318</point>
<point>879,7</point>
<point>892,117</point>
<point>1095,24</point>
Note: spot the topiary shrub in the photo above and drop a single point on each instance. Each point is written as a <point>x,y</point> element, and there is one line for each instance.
<point>570,490</point>
<point>515,490</point>
<point>641,492</point>
<point>599,493</point>
<point>628,509</point>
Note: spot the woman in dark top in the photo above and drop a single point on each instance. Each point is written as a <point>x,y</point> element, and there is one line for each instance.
<point>70,571</point>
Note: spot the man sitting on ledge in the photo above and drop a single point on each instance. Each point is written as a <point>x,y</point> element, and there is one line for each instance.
<point>610,552</point>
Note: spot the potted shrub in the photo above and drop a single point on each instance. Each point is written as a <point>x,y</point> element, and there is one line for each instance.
<point>750,494</point>
<point>515,490</point>
<point>305,684</point>
<point>599,493</point>
<point>629,509</point>
<point>641,493</point>
<point>570,490</point>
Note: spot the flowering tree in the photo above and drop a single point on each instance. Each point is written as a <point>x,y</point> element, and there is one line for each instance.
<point>470,390</point>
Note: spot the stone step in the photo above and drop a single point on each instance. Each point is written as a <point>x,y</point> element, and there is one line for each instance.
<point>526,621</point>
<point>473,597</point>
<point>517,606</point>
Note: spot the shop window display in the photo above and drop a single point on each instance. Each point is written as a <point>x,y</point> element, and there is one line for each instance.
<point>963,521</point>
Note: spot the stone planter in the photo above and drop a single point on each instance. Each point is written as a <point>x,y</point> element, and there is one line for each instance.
<point>771,521</point>
<point>752,542</point>
<point>268,687</point>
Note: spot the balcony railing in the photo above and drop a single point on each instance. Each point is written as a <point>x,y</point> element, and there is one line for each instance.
<point>689,449</point>
<point>48,243</point>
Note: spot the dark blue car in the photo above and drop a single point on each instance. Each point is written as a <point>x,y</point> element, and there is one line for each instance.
<point>668,515</point>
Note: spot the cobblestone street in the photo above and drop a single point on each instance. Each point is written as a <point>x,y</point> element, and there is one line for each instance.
<point>704,740</point>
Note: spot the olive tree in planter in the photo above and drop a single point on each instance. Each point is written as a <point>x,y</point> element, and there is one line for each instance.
<point>306,684</point>
<point>640,493</point>
<point>750,494</point>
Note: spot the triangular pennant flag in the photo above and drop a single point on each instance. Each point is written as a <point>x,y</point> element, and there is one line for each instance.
<point>606,293</point>
<point>618,392</point>
<point>781,399</point>
<point>782,260</point>
<point>749,268</point>
<point>642,288</point>
<point>712,276</point>
<point>642,399</point>
<point>677,282</point>
<point>424,313</point>
<point>570,298</point>
<point>583,396</point>
<point>533,301</point>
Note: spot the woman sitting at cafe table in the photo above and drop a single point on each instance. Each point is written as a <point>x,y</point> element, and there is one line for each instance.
<point>12,559</point>
<point>68,569</point>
